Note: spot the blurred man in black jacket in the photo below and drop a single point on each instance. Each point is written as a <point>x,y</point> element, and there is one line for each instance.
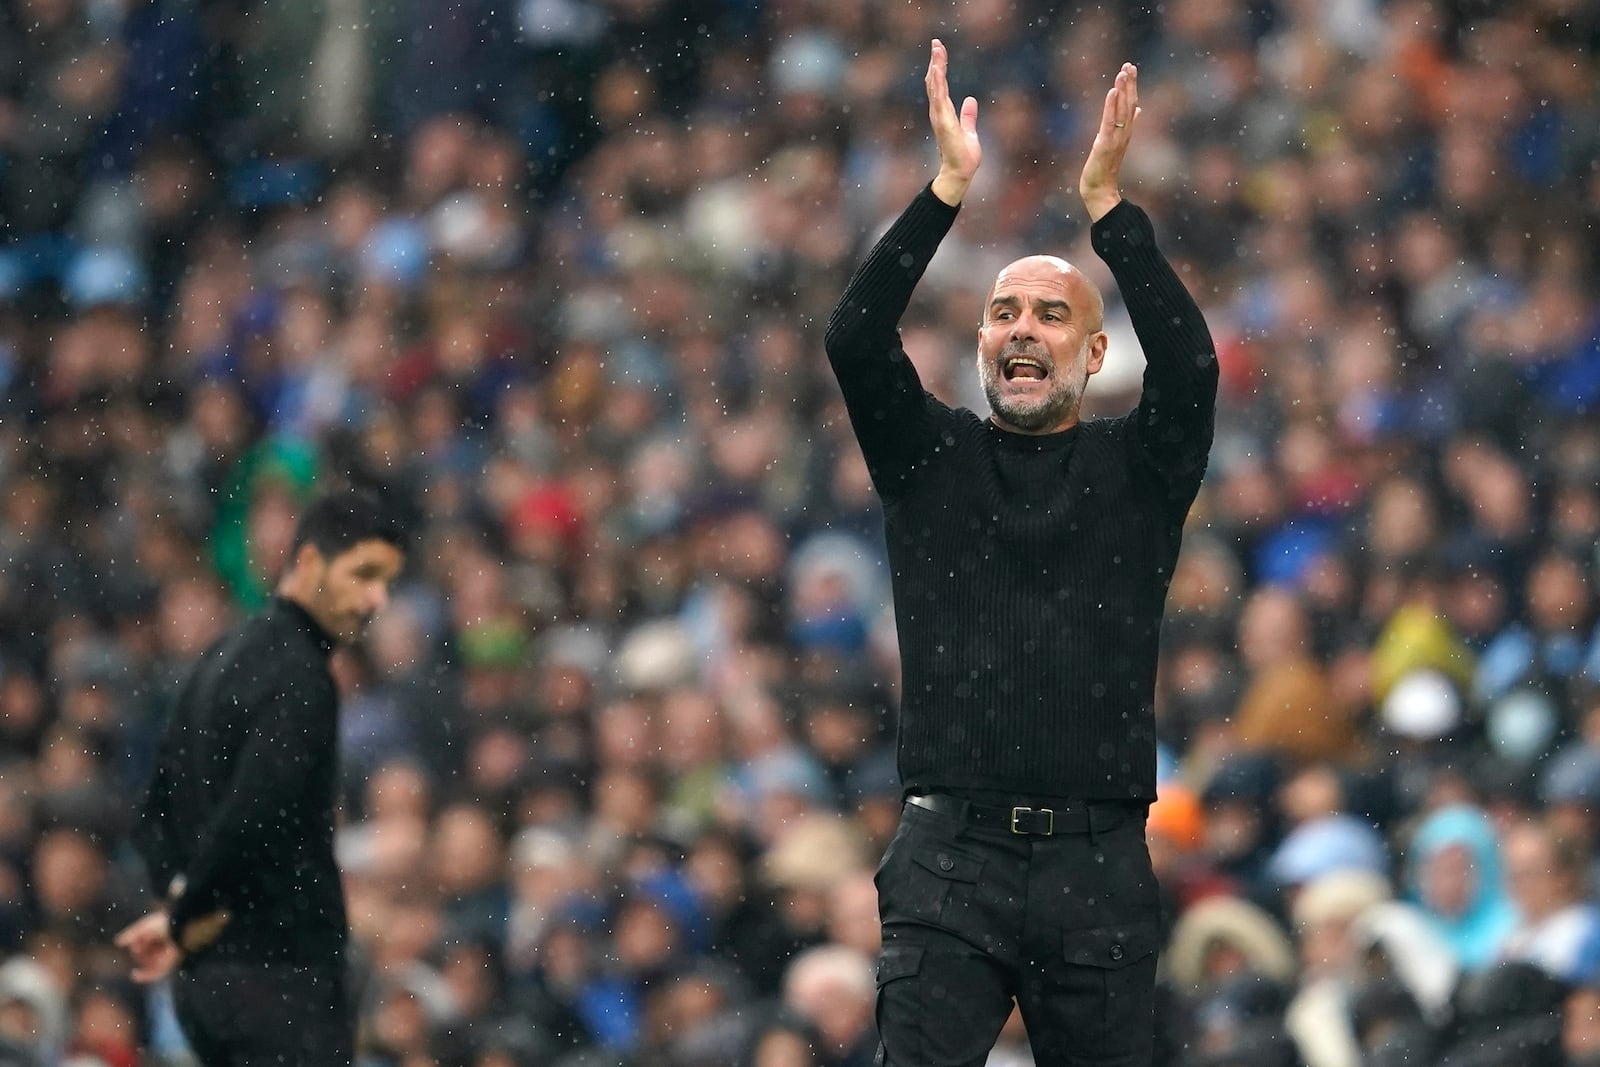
<point>237,826</point>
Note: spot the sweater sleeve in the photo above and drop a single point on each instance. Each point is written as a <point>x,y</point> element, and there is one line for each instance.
<point>1176,415</point>
<point>152,834</point>
<point>151,837</point>
<point>889,410</point>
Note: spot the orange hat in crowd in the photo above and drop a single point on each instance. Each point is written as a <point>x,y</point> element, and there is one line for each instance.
<point>1176,815</point>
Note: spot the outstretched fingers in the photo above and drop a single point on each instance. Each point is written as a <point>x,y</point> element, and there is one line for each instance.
<point>1102,172</point>
<point>1122,104</point>
<point>955,132</point>
<point>938,82</point>
<point>942,115</point>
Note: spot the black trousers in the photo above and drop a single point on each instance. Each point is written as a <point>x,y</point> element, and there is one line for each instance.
<point>242,1014</point>
<point>1068,925</point>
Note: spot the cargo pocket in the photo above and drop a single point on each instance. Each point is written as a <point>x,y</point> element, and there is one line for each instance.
<point>940,883</point>
<point>898,961</point>
<point>1119,961</point>
<point>949,865</point>
<point>899,1005</point>
<point>1112,947</point>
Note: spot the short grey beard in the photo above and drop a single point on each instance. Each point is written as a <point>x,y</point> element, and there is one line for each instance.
<point>1063,397</point>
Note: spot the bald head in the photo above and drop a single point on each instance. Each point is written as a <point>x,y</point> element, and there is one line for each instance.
<point>1081,295</point>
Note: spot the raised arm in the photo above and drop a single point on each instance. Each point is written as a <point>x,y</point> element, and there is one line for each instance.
<point>889,410</point>
<point>1174,420</point>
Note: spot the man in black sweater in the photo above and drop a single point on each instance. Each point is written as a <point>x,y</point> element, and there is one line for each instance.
<point>1030,554</point>
<point>237,825</point>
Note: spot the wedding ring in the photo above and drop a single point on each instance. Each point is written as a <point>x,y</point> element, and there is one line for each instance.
<point>1119,125</point>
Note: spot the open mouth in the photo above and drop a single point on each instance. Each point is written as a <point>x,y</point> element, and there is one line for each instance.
<point>1023,369</point>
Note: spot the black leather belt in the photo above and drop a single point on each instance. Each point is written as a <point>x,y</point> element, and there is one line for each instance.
<point>1032,821</point>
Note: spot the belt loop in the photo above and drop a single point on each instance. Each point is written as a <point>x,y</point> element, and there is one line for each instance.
<point>964,831</point>
<point>1088,817</point>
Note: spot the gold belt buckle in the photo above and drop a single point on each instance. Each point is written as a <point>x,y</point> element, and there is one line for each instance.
<point>1049,825</point>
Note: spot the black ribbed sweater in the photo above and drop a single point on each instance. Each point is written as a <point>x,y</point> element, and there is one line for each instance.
<point>1029,572</point>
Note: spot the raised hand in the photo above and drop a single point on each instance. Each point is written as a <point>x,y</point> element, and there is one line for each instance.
<point>956,134</point>
<point>1099,183</point>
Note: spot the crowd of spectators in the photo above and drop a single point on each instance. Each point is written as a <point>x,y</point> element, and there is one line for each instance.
<point>618,761</point>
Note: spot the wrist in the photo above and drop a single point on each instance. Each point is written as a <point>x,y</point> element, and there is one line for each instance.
<point>951,188</point>
<point>1100,204</point>
<point>200,932</point>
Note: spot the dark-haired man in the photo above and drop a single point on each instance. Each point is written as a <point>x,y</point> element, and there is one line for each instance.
<point>237,825</point>
<point>1030,556</point>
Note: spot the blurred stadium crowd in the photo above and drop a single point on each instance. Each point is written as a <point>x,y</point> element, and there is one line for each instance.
<point>618,761</point>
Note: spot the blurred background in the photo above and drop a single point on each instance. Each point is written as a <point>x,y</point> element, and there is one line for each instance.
<point>618,761</point>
